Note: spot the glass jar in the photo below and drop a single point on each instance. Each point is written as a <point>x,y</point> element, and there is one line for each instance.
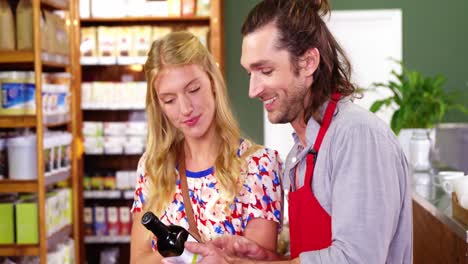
<point>420,146</point>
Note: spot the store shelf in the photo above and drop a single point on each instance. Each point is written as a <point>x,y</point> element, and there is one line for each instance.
<point>116,108</point>
<point>30,121</point>
<point>19,250</point>
<point>106,239</point>
<point>56,120</point>
<point>108,194</point>
<point>54,4</point>
<point>129,20</point>
<point>58,176</point>
<point>17,121</point>
<point>106,61</point>
<point>31,185</point>
<point>33,250</point>
<point>27,57</point>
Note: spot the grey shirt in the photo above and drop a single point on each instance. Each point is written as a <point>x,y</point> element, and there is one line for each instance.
<point>362,180</point>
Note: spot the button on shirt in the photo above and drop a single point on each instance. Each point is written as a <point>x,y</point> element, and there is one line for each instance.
<point>361,179</point>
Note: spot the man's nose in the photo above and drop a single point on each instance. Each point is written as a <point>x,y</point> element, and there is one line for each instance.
<point>255,87</point>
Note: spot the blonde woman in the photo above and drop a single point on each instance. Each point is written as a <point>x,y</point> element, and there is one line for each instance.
<point>234,184</point>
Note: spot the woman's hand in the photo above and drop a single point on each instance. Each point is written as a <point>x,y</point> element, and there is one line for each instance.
<point>230,249</point>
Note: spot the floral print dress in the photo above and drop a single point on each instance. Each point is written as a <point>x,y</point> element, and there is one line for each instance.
<point>260,196</point>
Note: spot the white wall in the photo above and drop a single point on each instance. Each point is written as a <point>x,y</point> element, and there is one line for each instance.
<point>370,38</point>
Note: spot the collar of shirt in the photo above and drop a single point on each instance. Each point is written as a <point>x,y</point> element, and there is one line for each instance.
<point>298,151</point>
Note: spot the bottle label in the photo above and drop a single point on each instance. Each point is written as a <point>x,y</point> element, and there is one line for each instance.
<point>187,256</point>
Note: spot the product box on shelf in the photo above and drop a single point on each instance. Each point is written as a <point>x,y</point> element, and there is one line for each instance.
<point>88,220</point>
<point>27,226</point>
<point>7,222</point>
<point>100,221</point>
<point>113,227</point>
<point>125,220</point>
<point>18,93</point>
<point>203,7</point>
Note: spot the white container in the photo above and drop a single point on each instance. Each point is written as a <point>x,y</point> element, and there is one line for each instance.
<point>419,151</point>
<point>22,163</point>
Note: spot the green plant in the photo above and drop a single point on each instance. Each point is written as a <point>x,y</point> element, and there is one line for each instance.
<point>422,101</point>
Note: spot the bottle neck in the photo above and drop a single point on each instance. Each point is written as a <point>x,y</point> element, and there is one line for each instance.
<point>159,229</point>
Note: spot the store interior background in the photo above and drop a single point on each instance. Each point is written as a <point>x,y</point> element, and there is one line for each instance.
<point>434,42</point>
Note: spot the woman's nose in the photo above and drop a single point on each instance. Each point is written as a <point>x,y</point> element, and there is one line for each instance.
<point>186,106</point>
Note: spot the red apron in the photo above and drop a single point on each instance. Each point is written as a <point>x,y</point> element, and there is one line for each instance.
<point>309,223</point>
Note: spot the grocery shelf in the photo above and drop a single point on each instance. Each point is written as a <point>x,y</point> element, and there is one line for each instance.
<point>31,185</point>
<point>19,250</point>
<point>33,250</point>
<point>144,19</point>
<point>106,61</point>
<point>17,121</point>
<point>16,56</point>
<point>106,239</point>
<point>116,108</point>
<point>108,194</point>
<point>27,57</point>
<point>30,121</point>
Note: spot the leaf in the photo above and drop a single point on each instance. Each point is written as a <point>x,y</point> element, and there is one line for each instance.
<point>376,106</point>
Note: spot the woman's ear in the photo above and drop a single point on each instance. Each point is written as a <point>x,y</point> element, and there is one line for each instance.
<point>309,62</point>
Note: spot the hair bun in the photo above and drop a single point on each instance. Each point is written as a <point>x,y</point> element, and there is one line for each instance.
<point>321,6</point>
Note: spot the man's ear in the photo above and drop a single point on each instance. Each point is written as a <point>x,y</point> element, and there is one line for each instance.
<point>309,62</point>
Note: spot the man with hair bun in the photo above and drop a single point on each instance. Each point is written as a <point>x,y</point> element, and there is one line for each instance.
<point>350,195</point>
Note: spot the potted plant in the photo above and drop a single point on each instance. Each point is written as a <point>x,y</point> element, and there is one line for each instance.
<point>421,103</point>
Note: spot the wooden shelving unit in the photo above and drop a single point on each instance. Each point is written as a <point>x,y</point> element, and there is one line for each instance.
<point>26,186</point>
<point>94,70</point>
<point>122,20</point>
<point>36,60</point>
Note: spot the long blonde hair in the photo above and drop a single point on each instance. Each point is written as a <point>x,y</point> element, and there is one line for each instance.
<point>165,141</point>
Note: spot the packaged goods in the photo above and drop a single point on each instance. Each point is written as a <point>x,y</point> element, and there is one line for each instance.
<point>88,46</point>
<point>203,7</point>
<point>107,46</point>
<point>17,93</point>
<point>27,225</point>
<point>141,41</point>
<point>21,152</point>
<point>124,42</point>
<point>100,223</point>
<point>88,220</point>
<point>24,25</point>
<point>112,221</point>
<point>7,219</point>
<point>125,220</point>
<point>188,7</point>
<point>48,154</point>
<point>85,8</point>
<point>174,7</point>
<point>7,26</point>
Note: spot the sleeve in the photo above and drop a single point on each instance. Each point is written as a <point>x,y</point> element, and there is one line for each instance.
<point>141,182</point>
<point>368,190</point>
<point>263,196</point>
